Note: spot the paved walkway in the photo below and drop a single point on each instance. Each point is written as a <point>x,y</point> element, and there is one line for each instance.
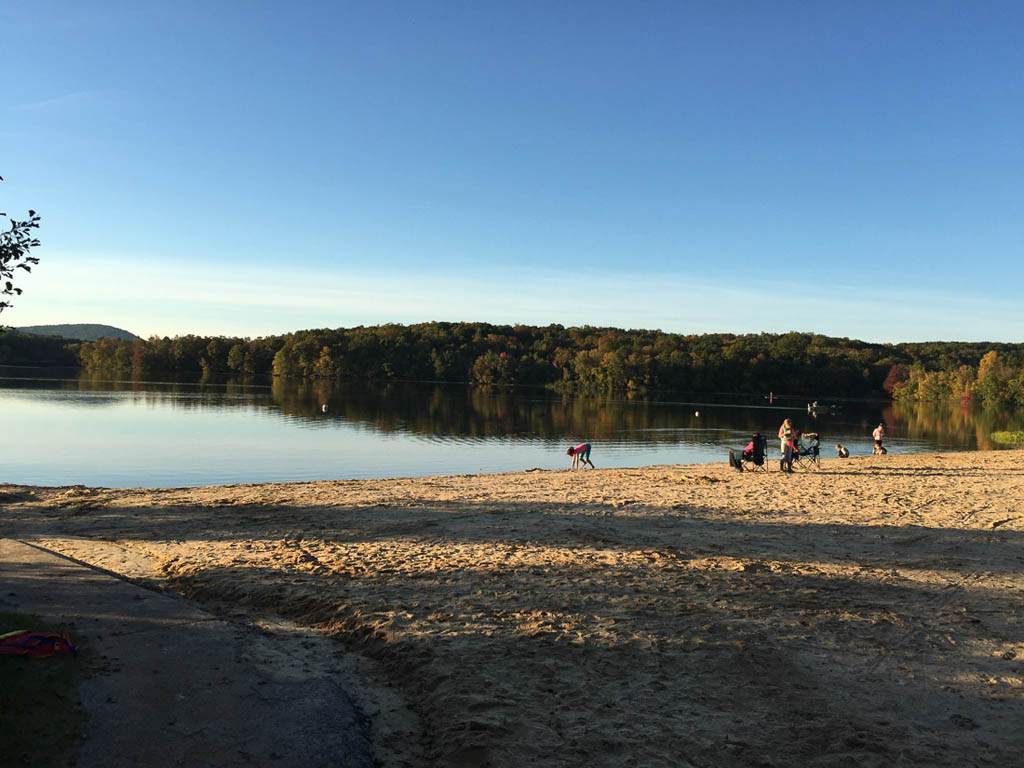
<point>174,687</point>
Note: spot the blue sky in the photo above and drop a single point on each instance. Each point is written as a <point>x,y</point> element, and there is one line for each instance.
<point>252,168</point>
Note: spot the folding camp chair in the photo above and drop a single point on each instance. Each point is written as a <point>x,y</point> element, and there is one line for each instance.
<point>808,453</point>
<point>753,460</point>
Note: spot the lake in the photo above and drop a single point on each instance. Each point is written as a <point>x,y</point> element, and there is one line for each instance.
<point>101,430</point>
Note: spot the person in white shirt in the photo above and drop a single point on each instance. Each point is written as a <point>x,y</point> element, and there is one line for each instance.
<point>878,435</point>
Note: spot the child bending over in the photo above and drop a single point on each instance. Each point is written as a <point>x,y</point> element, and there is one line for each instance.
<point>580,456</point>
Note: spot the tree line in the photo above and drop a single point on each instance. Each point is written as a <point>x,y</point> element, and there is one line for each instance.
<point>996,380</point>
<point>587,360</point>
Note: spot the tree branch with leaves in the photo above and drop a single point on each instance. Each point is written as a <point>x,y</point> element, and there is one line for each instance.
<point>15,244</point>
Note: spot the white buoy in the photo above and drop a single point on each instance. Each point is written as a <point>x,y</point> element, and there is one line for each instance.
<point>324,407</point>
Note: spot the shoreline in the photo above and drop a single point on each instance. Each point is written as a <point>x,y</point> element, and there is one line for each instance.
<point>771,462</point>
<point>863,614</point>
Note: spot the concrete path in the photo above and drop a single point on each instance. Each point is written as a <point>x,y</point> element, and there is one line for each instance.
<point>174,686</point>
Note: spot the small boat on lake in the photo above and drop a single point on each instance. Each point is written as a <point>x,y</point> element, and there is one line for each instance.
<point>816,408</point>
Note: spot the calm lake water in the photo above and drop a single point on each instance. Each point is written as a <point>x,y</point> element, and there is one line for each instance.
<point>96,430</point>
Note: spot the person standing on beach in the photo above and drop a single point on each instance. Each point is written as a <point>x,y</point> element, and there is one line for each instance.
<point>878,435</point>
<point>788,452</point>
<point>785,433</point>
<point>580,455</point>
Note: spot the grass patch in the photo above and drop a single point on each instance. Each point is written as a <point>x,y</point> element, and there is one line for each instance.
<point>41,720</point>
<point>1009,438</point>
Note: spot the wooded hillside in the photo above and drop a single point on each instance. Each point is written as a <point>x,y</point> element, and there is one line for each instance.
<point>586,360</point>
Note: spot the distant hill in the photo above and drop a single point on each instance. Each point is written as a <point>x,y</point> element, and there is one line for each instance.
<point>79,331</point>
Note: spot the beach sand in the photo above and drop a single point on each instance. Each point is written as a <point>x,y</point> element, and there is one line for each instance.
<point>869,614</point>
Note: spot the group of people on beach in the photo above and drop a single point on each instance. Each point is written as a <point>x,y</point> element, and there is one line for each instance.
<point>789,446</point>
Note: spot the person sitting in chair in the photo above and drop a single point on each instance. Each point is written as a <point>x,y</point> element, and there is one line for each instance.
<point>755,450</point>
<point>808,442</point>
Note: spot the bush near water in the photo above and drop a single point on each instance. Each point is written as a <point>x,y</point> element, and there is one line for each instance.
<point>1009,438</point>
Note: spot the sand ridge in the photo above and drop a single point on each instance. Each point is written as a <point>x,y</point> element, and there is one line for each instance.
<point>866,614</point>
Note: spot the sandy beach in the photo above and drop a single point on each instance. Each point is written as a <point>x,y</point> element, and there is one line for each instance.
<point>869,614</point>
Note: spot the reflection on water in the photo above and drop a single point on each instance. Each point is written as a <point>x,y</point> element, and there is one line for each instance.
<point>955,425</point>
<point>98,430</point>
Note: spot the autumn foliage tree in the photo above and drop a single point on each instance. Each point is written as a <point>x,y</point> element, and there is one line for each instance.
<point>898,374</point>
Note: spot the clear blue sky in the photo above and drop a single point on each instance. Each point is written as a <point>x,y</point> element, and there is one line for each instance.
<point>249,168</point>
